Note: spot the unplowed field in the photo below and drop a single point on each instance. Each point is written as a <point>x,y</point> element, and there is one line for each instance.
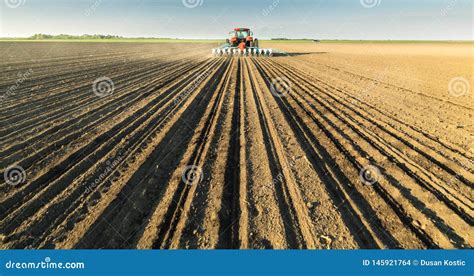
<point>111,145</point>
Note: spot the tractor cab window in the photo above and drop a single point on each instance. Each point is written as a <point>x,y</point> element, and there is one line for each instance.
<point>242,34</point>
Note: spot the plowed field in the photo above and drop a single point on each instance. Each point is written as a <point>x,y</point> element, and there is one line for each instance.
<point>128,145</point>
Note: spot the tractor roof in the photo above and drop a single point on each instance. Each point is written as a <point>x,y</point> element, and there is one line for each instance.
<point>242,29</point>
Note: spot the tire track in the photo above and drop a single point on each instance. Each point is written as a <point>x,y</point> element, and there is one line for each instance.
<point>172,224</point>
<point>289,193</point>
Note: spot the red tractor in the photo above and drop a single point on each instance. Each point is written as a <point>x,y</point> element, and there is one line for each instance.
<point>242,38</point>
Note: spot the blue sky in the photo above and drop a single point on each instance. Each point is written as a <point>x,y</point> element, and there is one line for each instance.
<point>317,19</point>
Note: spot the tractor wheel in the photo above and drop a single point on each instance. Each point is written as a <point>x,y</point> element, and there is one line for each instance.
<point>255,43</point>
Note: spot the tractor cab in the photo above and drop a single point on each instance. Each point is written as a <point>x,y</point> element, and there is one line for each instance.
<point>240,33</point>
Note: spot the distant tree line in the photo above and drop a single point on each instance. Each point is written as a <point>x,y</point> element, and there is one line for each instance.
<point>66,36</point>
